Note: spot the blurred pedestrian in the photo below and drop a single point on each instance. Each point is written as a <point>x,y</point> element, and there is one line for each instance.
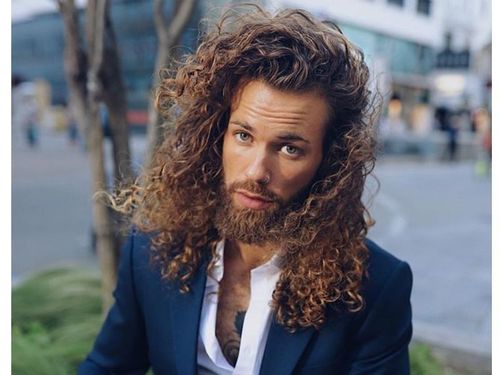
<point>72,126</point>
<point>25,113</point>
<point>104,116</point>
<point>30,120</point>
<point>482,124</point>
<point>73,132</point>
<point>453,133</point>
<point>249,225</point>
<point>448,123</point>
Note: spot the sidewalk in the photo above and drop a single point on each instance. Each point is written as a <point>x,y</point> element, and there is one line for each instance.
<point>437,217</point>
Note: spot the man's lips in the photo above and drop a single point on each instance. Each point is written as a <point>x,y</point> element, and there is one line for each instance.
<point>251,200</point>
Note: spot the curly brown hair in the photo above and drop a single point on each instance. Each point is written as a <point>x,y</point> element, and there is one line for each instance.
<point>324,265</point>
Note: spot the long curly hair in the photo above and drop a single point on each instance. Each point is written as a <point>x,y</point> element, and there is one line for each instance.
<point>176,198</point>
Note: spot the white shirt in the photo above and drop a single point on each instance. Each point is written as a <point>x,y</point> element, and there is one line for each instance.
<point>256,325</point>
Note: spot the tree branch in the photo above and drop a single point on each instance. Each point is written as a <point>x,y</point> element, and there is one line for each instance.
<point>160,21</point>
<point>96,43</point>
<point>180,20</point>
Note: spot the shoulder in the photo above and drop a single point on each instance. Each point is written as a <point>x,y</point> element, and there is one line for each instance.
<point>381,260</point>
<point>139,245</point>
<point>145,260</point>
<point>384,271</point>
<point>142,241</point>
<point>136,254</point>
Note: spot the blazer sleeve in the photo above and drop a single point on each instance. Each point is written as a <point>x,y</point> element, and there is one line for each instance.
<point>381,344</point>
<point>121,346</point>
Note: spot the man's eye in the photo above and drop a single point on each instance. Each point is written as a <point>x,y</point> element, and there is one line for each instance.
<point>242,137</point>
<point>290,150</point>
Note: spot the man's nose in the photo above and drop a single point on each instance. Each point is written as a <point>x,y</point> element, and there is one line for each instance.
<point>259,170</point>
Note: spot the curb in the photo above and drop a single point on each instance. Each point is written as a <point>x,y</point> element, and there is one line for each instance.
<point>459,361</point>
<point>462,352</point>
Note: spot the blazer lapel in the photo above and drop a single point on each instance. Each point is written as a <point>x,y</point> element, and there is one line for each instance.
<point>185,313</point>
<point>283,349</point>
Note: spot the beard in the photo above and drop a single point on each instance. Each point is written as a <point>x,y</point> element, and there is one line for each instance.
<point>251,226</point>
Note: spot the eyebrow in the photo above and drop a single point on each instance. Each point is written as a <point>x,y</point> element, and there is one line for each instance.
<point>284,137</point>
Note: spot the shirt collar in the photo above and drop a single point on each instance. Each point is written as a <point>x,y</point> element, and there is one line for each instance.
<point>218,268</point>
<point>272,266</point>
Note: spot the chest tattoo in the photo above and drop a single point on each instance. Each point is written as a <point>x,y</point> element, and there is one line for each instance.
<point>232,307</point>
<point>238,321</point>
<point>230,345</point>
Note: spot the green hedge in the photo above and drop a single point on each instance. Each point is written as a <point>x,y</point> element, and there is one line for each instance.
<point>56,316</point>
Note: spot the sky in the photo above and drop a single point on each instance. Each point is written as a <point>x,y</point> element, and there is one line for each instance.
<point>23,9</point>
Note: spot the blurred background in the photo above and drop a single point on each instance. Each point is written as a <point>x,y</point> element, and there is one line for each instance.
<point>430,60</point>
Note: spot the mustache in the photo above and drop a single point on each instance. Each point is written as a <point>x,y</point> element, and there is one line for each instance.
<point>255,188</point>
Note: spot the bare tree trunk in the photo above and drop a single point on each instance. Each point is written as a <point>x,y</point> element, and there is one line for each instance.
<point>75,64</point>
<point>106,248</point>
<point>86,98</point>
<point>114,95</point>
<point>168,37</point>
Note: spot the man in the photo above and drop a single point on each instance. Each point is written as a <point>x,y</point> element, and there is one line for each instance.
<point>249,252</point>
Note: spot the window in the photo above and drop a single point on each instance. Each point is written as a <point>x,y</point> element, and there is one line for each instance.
<point>424,7</point>
<point>396,2</point>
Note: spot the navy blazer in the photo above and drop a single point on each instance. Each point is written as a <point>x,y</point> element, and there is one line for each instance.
<point>153,325</point>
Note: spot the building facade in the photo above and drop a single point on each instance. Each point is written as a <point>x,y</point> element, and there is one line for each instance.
<point>399,39</point>
<point>462,77</point>
<point>422,54</point>
<point>38,44</point>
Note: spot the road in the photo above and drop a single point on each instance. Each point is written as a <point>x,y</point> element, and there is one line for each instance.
<point>51,203</point>
<point>435,216</point>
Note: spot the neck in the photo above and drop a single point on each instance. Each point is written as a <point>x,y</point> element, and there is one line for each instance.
<point>251,256</point>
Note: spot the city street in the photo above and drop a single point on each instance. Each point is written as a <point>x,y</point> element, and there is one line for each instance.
<point>51,203</point>
<point>435,216</point>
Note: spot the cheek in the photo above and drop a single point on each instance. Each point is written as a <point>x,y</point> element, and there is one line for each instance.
<point>296,178</point>
<point>229,160</point>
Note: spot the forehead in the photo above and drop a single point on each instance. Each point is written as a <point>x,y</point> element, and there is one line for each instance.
<point>260,104</point>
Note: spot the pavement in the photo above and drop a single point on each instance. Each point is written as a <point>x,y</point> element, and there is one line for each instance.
<point>436,216</point>
<point>51,202</point>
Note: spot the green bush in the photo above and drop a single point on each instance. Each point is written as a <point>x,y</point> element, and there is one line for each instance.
<point>30,354</point>
<point>56,316</point>
<point>56,297</point>
<point>422,361</point>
